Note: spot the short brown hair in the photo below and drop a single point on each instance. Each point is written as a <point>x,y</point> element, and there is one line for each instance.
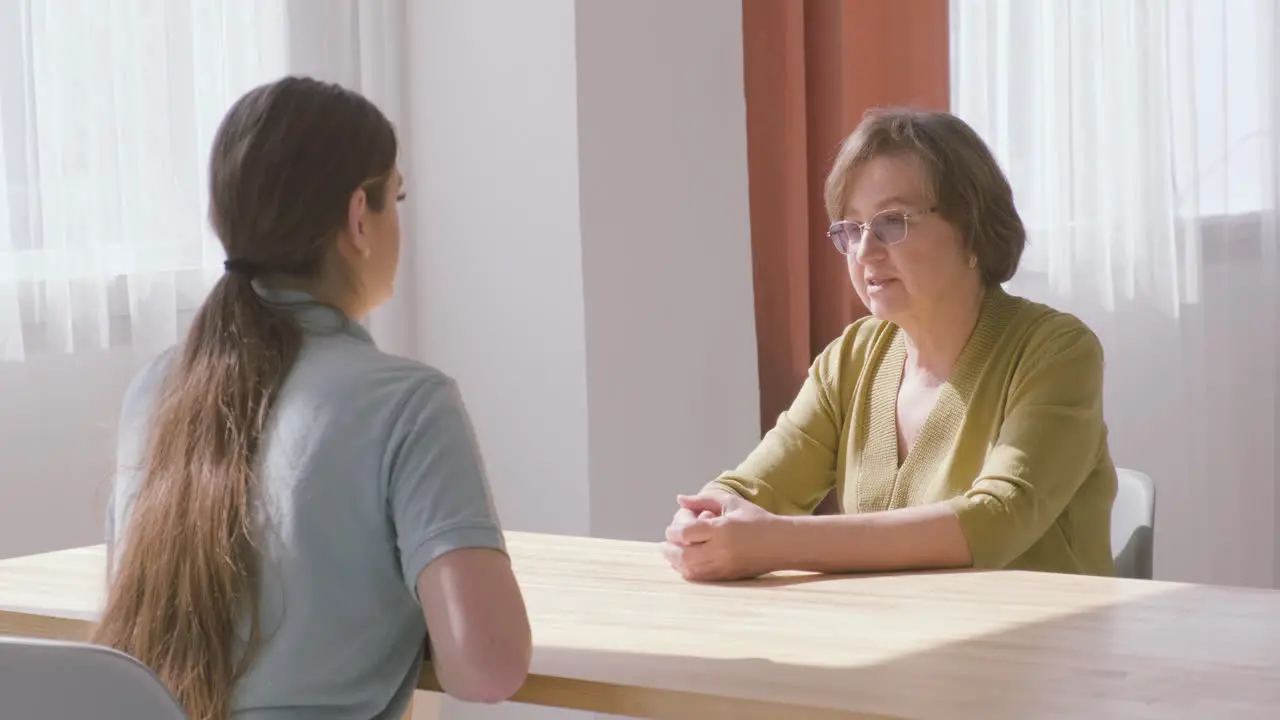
<point>968,187</point>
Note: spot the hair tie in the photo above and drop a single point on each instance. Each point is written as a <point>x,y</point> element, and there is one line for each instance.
<point>239,266</point>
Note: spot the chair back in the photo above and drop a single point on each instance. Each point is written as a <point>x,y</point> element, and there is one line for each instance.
<point>51,680</point>
<point>1133,524</point>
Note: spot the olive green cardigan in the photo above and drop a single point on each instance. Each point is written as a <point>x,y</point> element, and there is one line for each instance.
<point>1016,444</point>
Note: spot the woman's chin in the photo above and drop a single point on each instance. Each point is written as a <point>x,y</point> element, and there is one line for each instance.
<point>885,305</point>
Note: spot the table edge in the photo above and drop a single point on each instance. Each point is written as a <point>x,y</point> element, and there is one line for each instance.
<point>543,690</point>
<point>16,623</point>
<point>646,702</point>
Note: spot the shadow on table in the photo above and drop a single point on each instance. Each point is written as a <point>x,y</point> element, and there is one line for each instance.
<point>1162,651</point>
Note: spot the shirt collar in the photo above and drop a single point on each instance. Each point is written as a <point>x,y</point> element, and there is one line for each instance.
<point>315,316</point>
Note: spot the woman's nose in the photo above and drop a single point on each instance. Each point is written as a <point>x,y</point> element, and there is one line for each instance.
<point>869,247</point>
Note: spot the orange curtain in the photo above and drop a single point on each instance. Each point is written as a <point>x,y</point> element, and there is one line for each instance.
<point>812,67</point>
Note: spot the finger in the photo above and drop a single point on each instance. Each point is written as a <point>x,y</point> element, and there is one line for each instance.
<point>697,531</point>
<point>699,504</point>
<point>670,552</point>
<point>685,559</point>
<point>683,516</point>
<point>674,534</point>
<point>675,557</point>
<point>696,563</point>
<point>704,515</point>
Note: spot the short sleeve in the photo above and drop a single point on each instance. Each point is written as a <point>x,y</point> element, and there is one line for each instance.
<point>438,493</point>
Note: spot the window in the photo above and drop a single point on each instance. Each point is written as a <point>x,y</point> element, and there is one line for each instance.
<point>1130,132</point>
<point>107,112</point>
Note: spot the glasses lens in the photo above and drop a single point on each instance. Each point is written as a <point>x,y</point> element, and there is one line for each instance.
<point>845,236</point>
<point>890,227</point>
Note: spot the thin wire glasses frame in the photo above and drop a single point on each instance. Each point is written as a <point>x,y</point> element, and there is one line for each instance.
<point>890,227</point>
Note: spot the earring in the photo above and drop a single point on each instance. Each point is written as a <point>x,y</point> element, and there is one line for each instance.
<point>973,261</point>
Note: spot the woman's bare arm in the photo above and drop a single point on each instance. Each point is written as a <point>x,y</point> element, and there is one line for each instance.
<point>476,619</point>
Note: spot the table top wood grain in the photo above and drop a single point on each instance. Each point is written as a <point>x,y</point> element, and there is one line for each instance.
<point>617,631</point>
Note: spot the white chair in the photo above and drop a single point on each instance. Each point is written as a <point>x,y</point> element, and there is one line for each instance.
<point>1133,524</point>
<point>46,680</point>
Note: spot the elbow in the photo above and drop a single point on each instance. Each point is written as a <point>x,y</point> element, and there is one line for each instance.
<point>490,677</point>
<point>992,530</point>
<point>490,688</point>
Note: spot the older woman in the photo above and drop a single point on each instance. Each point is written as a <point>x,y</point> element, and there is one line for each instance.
<point>960,426</point>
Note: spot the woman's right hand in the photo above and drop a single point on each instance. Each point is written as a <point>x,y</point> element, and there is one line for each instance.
<point>720,536</point>
<point>702,507</point>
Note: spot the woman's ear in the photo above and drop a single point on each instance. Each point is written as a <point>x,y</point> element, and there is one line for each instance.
<point>357,211</point>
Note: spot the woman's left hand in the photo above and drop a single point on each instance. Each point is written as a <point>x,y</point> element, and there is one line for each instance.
<point>730,542</point>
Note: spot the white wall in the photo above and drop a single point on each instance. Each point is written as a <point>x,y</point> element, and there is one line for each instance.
<point>583,262</point>
<point>584,256</point>
<point>493,174</point>
<point>57,448</point>
<point>671,354</point>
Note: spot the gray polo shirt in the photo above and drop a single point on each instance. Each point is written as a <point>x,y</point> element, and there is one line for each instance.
<point>368,473</point>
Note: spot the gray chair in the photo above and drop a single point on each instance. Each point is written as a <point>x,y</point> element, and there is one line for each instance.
<point>1133,524</point>
<point>47,680</point>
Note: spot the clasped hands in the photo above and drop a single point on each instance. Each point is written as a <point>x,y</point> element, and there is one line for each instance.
<point>721,537</point>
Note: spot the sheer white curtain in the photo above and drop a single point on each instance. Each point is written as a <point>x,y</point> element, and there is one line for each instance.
<point>107,111</point>
<point>106,115</point>
<point>1140,139</point>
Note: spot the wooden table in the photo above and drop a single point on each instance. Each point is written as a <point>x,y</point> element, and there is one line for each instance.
<point>617,631</point>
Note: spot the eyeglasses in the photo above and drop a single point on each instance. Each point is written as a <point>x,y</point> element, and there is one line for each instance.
<point>889,227</point>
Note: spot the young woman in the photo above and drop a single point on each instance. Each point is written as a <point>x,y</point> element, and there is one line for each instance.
<point>294,511</point>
